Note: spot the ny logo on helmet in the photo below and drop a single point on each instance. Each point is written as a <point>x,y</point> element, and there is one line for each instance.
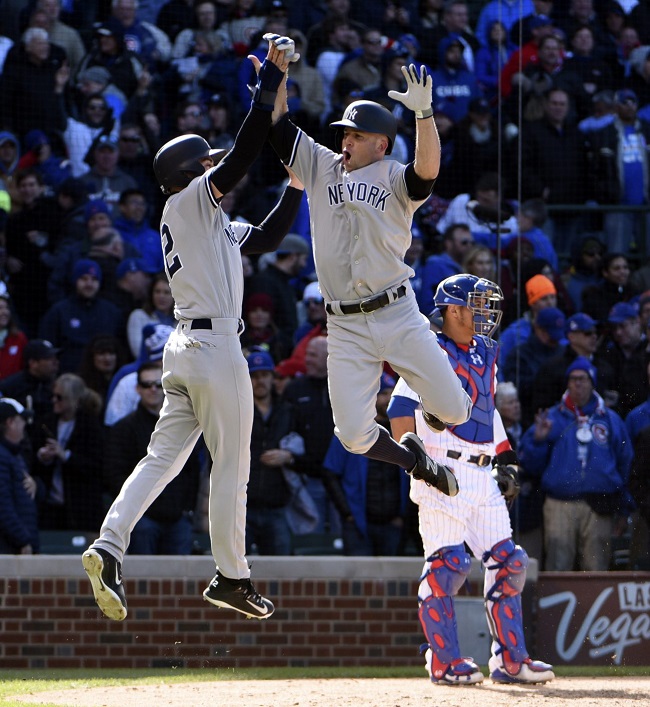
<point>352,114</point>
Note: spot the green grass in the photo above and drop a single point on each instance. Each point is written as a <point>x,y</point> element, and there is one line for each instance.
<point>18,682</point>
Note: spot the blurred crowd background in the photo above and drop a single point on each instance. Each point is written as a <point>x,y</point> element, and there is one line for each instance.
<point>543,111</point>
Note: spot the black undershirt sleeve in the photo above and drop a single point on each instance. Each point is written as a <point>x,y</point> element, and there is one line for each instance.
<point>417,187</point>
<point>266,237</point>
<point>283,137</point>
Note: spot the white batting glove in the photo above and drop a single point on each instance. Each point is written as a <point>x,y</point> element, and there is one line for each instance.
<point>419,91</point>
<point>284,44</point>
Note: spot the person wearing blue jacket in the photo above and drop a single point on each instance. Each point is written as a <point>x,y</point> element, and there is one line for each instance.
<point>18,510</point>
<point>582,451</point>
<point>70,323</point>
<point>453,84</point>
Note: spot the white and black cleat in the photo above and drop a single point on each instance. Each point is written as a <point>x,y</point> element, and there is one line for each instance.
<point>105,574</point>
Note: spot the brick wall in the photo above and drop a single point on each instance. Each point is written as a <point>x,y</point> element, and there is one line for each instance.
<point>329,611</point>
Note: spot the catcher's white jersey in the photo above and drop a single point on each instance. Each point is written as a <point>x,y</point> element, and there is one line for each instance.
<point>478,514</point>
<point>202,254</point>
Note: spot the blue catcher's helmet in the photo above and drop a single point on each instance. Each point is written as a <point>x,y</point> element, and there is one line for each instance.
<point>481,296</point>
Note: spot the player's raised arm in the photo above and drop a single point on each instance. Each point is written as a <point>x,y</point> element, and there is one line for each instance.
<point>418,97</point>
<point>255,128</point>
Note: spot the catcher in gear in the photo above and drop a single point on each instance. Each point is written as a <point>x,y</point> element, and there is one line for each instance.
<point>361,209</point>
<point>487,469</point>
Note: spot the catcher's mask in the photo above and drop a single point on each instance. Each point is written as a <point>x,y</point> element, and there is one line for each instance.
<point>480,295</point>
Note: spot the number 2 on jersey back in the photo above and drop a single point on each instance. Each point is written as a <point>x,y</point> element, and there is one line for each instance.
<point>172,265</point>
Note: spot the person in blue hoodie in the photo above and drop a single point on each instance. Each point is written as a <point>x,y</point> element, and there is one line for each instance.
<point>582,451</point>
<point>452,82</point>
<point>134,228</point>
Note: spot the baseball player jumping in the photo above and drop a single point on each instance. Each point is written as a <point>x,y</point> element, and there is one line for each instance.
<point>361,208</point>
<point>205,376</point>
<point>487,468</point>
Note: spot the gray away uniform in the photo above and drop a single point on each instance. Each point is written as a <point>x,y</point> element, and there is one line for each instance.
<point>203,263</point>
<point>361,229</point>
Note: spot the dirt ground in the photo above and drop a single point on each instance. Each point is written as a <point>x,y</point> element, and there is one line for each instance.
<point>585,692</point>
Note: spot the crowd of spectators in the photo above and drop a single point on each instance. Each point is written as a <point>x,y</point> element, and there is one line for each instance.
<point>541,106</point>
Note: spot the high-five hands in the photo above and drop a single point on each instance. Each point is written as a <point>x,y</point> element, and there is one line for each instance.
<point>284,44</point>
<point>419,91</point>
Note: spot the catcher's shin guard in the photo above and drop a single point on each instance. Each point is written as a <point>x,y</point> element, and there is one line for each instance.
<point>442,579</point>
<point>503,600</point>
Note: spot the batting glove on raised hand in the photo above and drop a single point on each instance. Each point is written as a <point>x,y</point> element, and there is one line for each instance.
<point>284,44</point>
<point>419,91</point>
<point>505,471</point>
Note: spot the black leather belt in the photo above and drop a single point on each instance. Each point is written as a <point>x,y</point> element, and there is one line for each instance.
<point>201,324</point>
<point>370,304</point>
<point>480,460</point>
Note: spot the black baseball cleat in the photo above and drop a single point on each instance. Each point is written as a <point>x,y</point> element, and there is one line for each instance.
<point>435,424</point>
<point>238,594</point>
<point>426,469</point>
<point>105,575</point>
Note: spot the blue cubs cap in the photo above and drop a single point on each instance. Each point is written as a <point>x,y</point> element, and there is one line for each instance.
<point>540,21</point>
<point>580,363</point>
<point>96,206</point>
<point>580,322</point>
<point>130,265</point>
<point>620,312</point>
<point>552,321</point>
<point>86,266</point>
<point>624,95</point>
<point>260,361</point>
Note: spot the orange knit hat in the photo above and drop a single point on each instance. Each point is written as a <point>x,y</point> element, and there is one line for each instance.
<point>539,286</point>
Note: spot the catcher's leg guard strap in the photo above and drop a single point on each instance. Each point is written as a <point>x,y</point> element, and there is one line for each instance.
<point>507,562</point>
<point>443,578</point>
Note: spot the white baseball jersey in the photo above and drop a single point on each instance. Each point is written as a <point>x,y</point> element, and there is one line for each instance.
<point>478,514</point>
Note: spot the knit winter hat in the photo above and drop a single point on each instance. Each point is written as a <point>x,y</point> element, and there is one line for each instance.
<point>580,363</point>
<point>537,287</point>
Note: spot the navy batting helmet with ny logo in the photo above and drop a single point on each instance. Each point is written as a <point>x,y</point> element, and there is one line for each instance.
<point>370,117</point>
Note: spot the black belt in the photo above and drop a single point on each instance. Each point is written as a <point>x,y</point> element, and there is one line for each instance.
<point>201,324</point>
<point>480,460</point>
<point>207,324</point>
<point>370,304</point>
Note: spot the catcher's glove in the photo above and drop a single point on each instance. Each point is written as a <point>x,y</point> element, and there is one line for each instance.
<point>505,471</point>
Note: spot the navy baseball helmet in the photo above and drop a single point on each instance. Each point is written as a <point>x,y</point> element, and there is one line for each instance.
<point>369,117</point>
<point>480,295</point>
<point>178,161</point>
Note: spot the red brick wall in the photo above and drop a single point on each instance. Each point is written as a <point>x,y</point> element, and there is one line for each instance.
<point>329,611</point>
<point>54,623</point>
